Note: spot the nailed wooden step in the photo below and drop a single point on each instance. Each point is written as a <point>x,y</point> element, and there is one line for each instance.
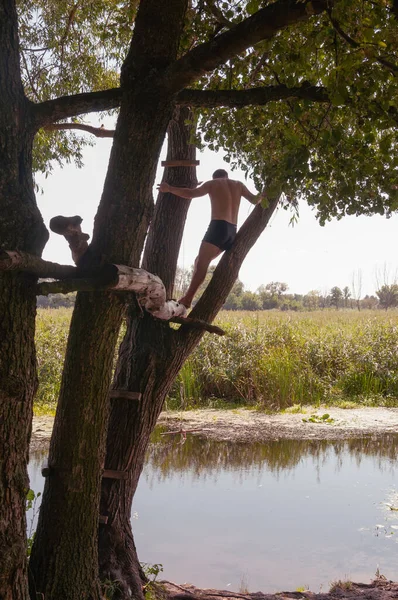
<point>125,394</point>
<point>45,469</point>
<point>111,474</point>
<point>180,163</point>
<point>103,519</point>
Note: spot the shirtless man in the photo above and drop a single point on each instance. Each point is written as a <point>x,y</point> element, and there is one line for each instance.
<point>225,195</point>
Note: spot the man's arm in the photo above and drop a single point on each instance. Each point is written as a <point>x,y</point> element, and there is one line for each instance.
<point>188,193</point>
<point>253,198</point>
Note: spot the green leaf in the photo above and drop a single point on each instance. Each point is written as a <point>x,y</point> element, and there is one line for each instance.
<point>252,7</point>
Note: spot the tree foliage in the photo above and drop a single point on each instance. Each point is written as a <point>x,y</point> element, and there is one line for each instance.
<point>340,153</point>
<point>334,142</point>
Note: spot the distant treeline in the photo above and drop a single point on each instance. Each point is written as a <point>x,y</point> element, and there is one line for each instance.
<point>56,300</point>
<point>273,295</point>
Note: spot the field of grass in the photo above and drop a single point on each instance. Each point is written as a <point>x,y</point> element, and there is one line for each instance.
<point>269,360</point>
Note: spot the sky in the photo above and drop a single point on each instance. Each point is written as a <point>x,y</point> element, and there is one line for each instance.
<point>306,256</point>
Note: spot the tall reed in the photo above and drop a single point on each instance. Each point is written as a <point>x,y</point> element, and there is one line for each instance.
<point>276,360</point>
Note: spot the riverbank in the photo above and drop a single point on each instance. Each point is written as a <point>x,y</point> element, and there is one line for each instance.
<point>379,589</point>
<point>245,425</point>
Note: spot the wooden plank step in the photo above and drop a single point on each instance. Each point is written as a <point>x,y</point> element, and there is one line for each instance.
<point>180,163</point>
<point>45,469</point>
<point>125,394</point>
<point>111,474</point>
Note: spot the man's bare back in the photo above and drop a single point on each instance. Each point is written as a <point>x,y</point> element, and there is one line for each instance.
<point>225,196</point>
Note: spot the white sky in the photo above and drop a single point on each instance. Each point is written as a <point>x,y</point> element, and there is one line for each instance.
<point>306,256</point>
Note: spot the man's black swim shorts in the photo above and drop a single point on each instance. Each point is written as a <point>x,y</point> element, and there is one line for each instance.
<point>221,234</point>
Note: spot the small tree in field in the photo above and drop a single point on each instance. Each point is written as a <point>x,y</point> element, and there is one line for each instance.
<point>311,300</point>
<point>356,287</point>
<point>346,295</point>
<point>336,296</point>
<point>388,296</point>
<point>300,93</point>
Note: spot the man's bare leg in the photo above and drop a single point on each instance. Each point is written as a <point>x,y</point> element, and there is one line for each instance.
<point>207,253</point>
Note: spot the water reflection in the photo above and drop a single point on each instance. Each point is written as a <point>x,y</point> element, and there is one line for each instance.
<point>279,515</point>
<point>203,458</point>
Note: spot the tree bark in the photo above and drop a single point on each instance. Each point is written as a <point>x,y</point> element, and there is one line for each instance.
<point>69,516</point>
<point>131,423</point>
<point>20,227</point>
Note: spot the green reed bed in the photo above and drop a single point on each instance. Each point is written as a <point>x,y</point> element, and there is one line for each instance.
<point>52,326</point>
<point>277,360</point>
<point>270,360</point>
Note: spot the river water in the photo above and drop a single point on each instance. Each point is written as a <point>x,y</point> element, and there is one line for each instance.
<point>271,517</point>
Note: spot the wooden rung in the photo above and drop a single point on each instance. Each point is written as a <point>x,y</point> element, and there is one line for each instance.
<point>45,469</point>
<point>110,474</point>
<point>103,519</point>
<point>180,163</point>
<point>125,394</point>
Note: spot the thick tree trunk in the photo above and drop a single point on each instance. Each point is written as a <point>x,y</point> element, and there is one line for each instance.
<point>131,422</point>
<point>20,227</point>
<point>65,549</point>
<point>150,358</point>
<point>70,506</point>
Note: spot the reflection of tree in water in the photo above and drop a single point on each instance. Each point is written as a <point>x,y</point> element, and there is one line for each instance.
<point>37,458</point>
<point>203,458</point>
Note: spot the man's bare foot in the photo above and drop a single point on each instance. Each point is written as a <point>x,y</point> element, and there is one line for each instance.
<point>185,302</point>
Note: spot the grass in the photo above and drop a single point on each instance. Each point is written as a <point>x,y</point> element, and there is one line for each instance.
<point>268,360</point>
<point>340,585</point>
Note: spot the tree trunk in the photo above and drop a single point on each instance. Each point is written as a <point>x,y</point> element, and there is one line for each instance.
<point>65,548</point>
<point>20,227</point>
<point>150,358</point>
<point>144,350</point>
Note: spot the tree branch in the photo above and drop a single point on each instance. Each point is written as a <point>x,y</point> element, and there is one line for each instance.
<point>263,25</point>
<point>354,44</point>
<point>258,96</point>
<point>115,278</point>
<point>50,111</point>
<point>21,261</point>
<point>211,98</point>
<point>197,324</point>
<point>218,14</point>
<point>100,132</point>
